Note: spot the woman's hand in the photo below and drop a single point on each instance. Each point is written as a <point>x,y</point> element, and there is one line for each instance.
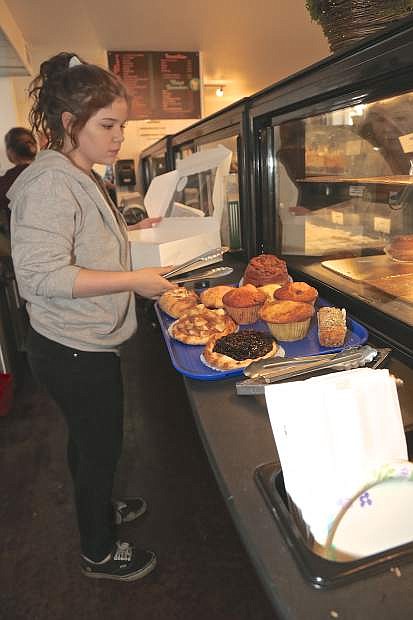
<point>148,282</point>
<point>148,222</point>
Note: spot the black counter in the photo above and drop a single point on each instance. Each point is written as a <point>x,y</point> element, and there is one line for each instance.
<point>237,437</point>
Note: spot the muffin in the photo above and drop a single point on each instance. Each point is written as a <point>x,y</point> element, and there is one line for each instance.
<point>212,297</point>
<point>297,291</point>
<point>266,269</point>
<point>243,303</point>
<point>287,320</point>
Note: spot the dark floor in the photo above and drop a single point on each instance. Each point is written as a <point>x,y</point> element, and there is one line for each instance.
<point>203,571</point>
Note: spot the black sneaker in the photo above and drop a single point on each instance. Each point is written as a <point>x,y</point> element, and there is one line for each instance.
<point>126,563</point>
<point>129,509</point>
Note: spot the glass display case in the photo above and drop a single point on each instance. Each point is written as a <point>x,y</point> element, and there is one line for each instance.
<point>227,128</point>
<point>334,180</point>
<point>344,180</point>
<point>344,196</point>
<point>231,221</point>
<point>184,151</point>
<point>155,160</point>
<point>322,174</point>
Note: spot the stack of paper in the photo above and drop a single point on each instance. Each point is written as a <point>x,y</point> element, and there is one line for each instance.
<point>332,433</point>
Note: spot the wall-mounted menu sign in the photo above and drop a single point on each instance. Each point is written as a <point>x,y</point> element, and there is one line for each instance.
<point>162,84</point>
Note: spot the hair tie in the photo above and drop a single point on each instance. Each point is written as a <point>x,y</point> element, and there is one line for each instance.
<point>74,61</point>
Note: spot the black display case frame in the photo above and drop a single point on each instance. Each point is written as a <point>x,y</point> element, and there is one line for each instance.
<point>228,122</point>
<point>381,68</point>
<point>161,150</point>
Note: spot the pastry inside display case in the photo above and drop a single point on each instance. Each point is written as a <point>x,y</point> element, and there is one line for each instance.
<point>344,197</point>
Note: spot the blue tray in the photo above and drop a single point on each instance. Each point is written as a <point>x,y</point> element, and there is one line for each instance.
<point>186,358</point>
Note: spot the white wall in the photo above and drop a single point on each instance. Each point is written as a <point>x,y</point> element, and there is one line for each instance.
<point>8,118</point>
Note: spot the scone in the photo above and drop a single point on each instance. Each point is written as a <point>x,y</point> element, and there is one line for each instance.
<point>287,320</point>
<point>200,323</point>
<point>239,349</point>
<point>243,303</point>
<point>332,328</point>
<point>297,291</point>
<point>177,301</point>
<point>212,297</point>
<point>266,269</point>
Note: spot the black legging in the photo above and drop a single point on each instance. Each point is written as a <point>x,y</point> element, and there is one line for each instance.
<point>87,386</point>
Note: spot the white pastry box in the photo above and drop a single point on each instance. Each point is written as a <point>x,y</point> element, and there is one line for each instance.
<point>190,201</point>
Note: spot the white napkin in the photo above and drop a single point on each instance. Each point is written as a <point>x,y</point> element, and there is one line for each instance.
<point>332,433</point>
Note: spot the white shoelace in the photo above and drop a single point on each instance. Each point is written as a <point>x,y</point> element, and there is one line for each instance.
<point>123,552</point>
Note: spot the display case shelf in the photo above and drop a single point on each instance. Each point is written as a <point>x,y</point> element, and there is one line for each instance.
<point>393,180</point>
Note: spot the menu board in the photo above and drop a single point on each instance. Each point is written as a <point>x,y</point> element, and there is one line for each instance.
<point>161,84</point>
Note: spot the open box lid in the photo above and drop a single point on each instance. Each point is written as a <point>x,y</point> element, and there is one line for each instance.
<point>194,189</point>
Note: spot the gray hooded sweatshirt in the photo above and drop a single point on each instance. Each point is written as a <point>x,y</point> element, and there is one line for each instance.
<point>60,223</point>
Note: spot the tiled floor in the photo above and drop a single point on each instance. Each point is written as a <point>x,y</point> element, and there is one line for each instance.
<point>203,571</point>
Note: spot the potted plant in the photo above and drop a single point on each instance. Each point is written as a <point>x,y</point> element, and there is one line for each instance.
<point>345,22</point>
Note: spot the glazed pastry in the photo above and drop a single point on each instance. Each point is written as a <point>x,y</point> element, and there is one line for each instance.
<point>177,301</point>
<point>239,349</point>
<point>287,320</point>
<point>297,291</point>
<point>332,326</point>
<point>243,303</point>
<point>212,297</point>
<point>266,269</point>
<point>200,323</point>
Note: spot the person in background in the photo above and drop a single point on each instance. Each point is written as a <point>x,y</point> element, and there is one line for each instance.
<point>72,262</point>
<point>21,149</point>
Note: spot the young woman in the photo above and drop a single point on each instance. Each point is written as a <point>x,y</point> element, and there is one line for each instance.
<point>71,256</point>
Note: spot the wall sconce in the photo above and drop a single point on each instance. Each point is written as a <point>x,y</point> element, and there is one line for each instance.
<point>218,85</point>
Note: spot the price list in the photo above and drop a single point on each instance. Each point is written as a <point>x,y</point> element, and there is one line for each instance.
<point>163,85</point>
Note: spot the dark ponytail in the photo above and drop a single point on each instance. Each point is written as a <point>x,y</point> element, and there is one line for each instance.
<point>68,84</point>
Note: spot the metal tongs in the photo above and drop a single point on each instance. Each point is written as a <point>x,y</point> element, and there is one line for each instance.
<point>264,372</point>
<point>209,274</point>
<point>207,258</point>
